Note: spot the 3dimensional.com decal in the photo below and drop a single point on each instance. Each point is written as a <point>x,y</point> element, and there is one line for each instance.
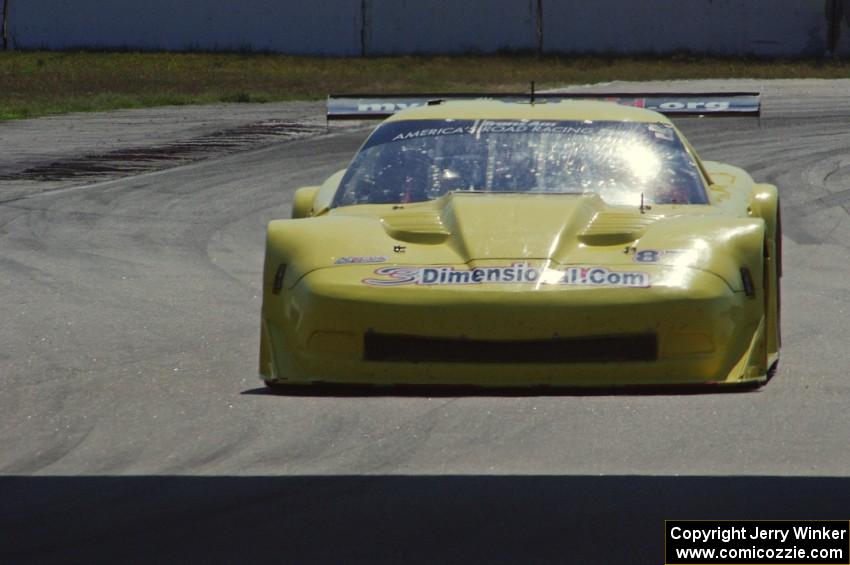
<point>517,273</point>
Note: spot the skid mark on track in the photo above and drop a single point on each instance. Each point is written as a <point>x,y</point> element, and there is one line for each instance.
<point>135,160</point>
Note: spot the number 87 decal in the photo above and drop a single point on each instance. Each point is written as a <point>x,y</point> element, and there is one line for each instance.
<point>648,256</point>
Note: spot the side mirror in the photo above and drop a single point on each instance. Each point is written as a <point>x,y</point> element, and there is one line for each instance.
<point>302,202</point>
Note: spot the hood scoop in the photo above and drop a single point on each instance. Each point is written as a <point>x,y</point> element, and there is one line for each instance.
<point>493,226</point>
<point>416,226</point>
<point>615,228</point>
<point>518,226</point>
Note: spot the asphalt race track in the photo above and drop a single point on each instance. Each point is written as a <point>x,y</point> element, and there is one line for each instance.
<point>133,427</point>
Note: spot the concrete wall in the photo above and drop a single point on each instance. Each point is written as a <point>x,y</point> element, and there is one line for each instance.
<point>315,26</point>
<point>729,27</point>
<point>446,26</point>
<point>354,27</point>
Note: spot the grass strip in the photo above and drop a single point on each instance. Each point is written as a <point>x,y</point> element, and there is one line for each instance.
<point>38,83</point>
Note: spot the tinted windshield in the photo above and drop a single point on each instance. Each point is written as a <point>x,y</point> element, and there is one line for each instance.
<point>417,160</point>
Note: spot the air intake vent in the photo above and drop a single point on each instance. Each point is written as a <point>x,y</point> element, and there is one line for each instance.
<point>415,349</point>
<point>416,227</point>
<point>615,228</point>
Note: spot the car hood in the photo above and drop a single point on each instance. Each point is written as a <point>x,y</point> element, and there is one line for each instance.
<point>557,229</point>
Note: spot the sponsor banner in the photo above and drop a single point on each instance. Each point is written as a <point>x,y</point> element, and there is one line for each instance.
<point>757,542</point>
<point>517,273</point>
<point>380,106</point>
<point>479,127</point>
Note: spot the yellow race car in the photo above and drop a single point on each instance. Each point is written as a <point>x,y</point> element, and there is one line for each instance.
<point>503,243</point>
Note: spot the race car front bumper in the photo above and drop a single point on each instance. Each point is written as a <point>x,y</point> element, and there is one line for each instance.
<point>334,329</point>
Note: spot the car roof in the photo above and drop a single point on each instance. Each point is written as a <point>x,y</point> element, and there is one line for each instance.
<point>566,110</point>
